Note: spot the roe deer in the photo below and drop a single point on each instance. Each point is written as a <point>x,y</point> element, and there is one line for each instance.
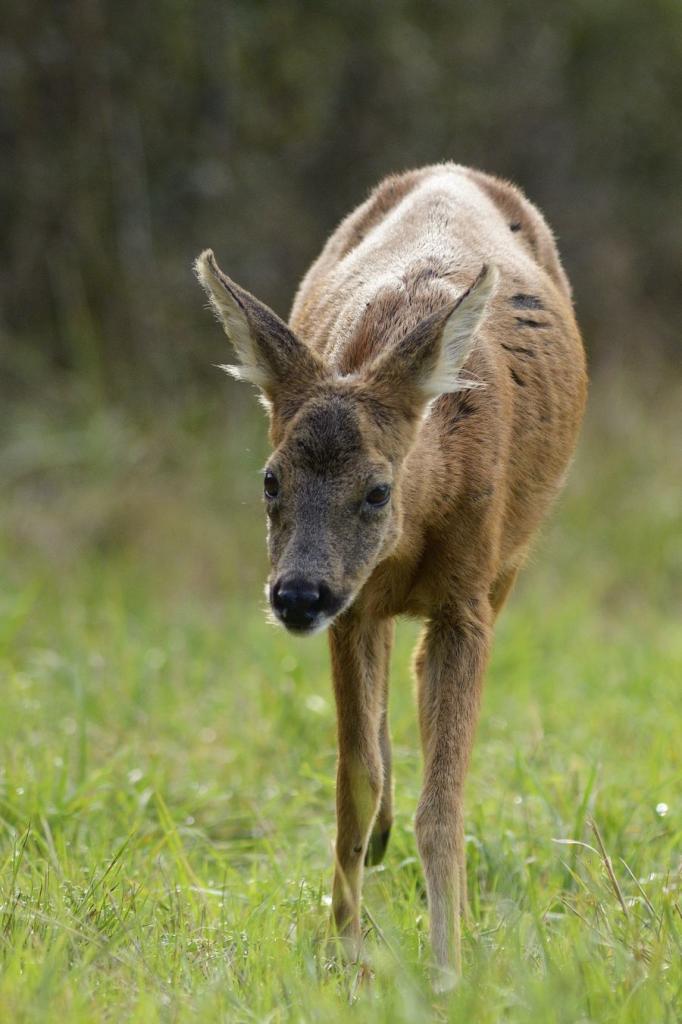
<point>424,403</point>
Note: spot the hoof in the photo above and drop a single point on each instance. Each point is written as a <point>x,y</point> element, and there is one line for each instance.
<point>376,848</point>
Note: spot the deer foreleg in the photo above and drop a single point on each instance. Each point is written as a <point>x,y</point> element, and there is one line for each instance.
<point>450,667</point>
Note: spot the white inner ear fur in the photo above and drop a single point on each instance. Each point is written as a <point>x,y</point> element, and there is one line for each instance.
<point>459,337</point>
<point>234,321</point>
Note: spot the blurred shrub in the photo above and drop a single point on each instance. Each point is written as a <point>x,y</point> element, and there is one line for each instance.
<point>134,135</point>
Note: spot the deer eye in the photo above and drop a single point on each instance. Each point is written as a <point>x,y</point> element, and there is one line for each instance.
<point>270,484</point>
<point>378,496</point>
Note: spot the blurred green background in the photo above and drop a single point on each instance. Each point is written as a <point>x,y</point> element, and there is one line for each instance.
<point>134,136</point>
<point>166,758</point>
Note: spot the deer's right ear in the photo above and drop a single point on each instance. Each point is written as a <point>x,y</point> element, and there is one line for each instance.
<point>269,354</point>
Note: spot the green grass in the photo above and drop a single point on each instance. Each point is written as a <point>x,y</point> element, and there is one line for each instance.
<point>167,765</point>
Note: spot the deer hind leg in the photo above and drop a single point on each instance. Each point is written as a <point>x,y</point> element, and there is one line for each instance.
<point>359,654</point>
<point>450,666</point>
<point>381,830</point>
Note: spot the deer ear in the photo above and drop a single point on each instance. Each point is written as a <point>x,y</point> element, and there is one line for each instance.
<point>269,354</point>
<point>458,337</point>
<point>427,361</point>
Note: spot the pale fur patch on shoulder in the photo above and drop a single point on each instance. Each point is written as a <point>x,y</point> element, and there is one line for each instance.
<point>231,315</point>
<point>459,336</point>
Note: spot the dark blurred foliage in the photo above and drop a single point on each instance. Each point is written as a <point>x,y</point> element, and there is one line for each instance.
<point>133,135</point>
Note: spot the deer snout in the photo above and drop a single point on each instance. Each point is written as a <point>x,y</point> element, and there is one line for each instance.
<point>300,603</point>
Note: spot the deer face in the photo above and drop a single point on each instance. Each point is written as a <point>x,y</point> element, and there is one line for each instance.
<point>331,491</point>
<point>332,486</point>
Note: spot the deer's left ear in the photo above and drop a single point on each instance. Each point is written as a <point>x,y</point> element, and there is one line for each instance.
<point>269,354</point>
<point>458,336</point>
<point>427,361</point>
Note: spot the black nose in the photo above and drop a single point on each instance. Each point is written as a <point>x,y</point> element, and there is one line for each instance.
<point>298,602</point>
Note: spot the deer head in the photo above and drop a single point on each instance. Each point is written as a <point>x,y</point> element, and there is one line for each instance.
<point>333,484</point>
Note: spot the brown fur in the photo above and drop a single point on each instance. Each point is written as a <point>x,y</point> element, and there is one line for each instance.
<point>382,324</point>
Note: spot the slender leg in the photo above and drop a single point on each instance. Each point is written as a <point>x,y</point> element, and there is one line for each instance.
<point>450,666</point>
<point>359,654</point>
<point>381,831</point>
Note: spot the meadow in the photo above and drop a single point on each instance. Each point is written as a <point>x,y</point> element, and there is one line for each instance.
<point>167,757</point>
